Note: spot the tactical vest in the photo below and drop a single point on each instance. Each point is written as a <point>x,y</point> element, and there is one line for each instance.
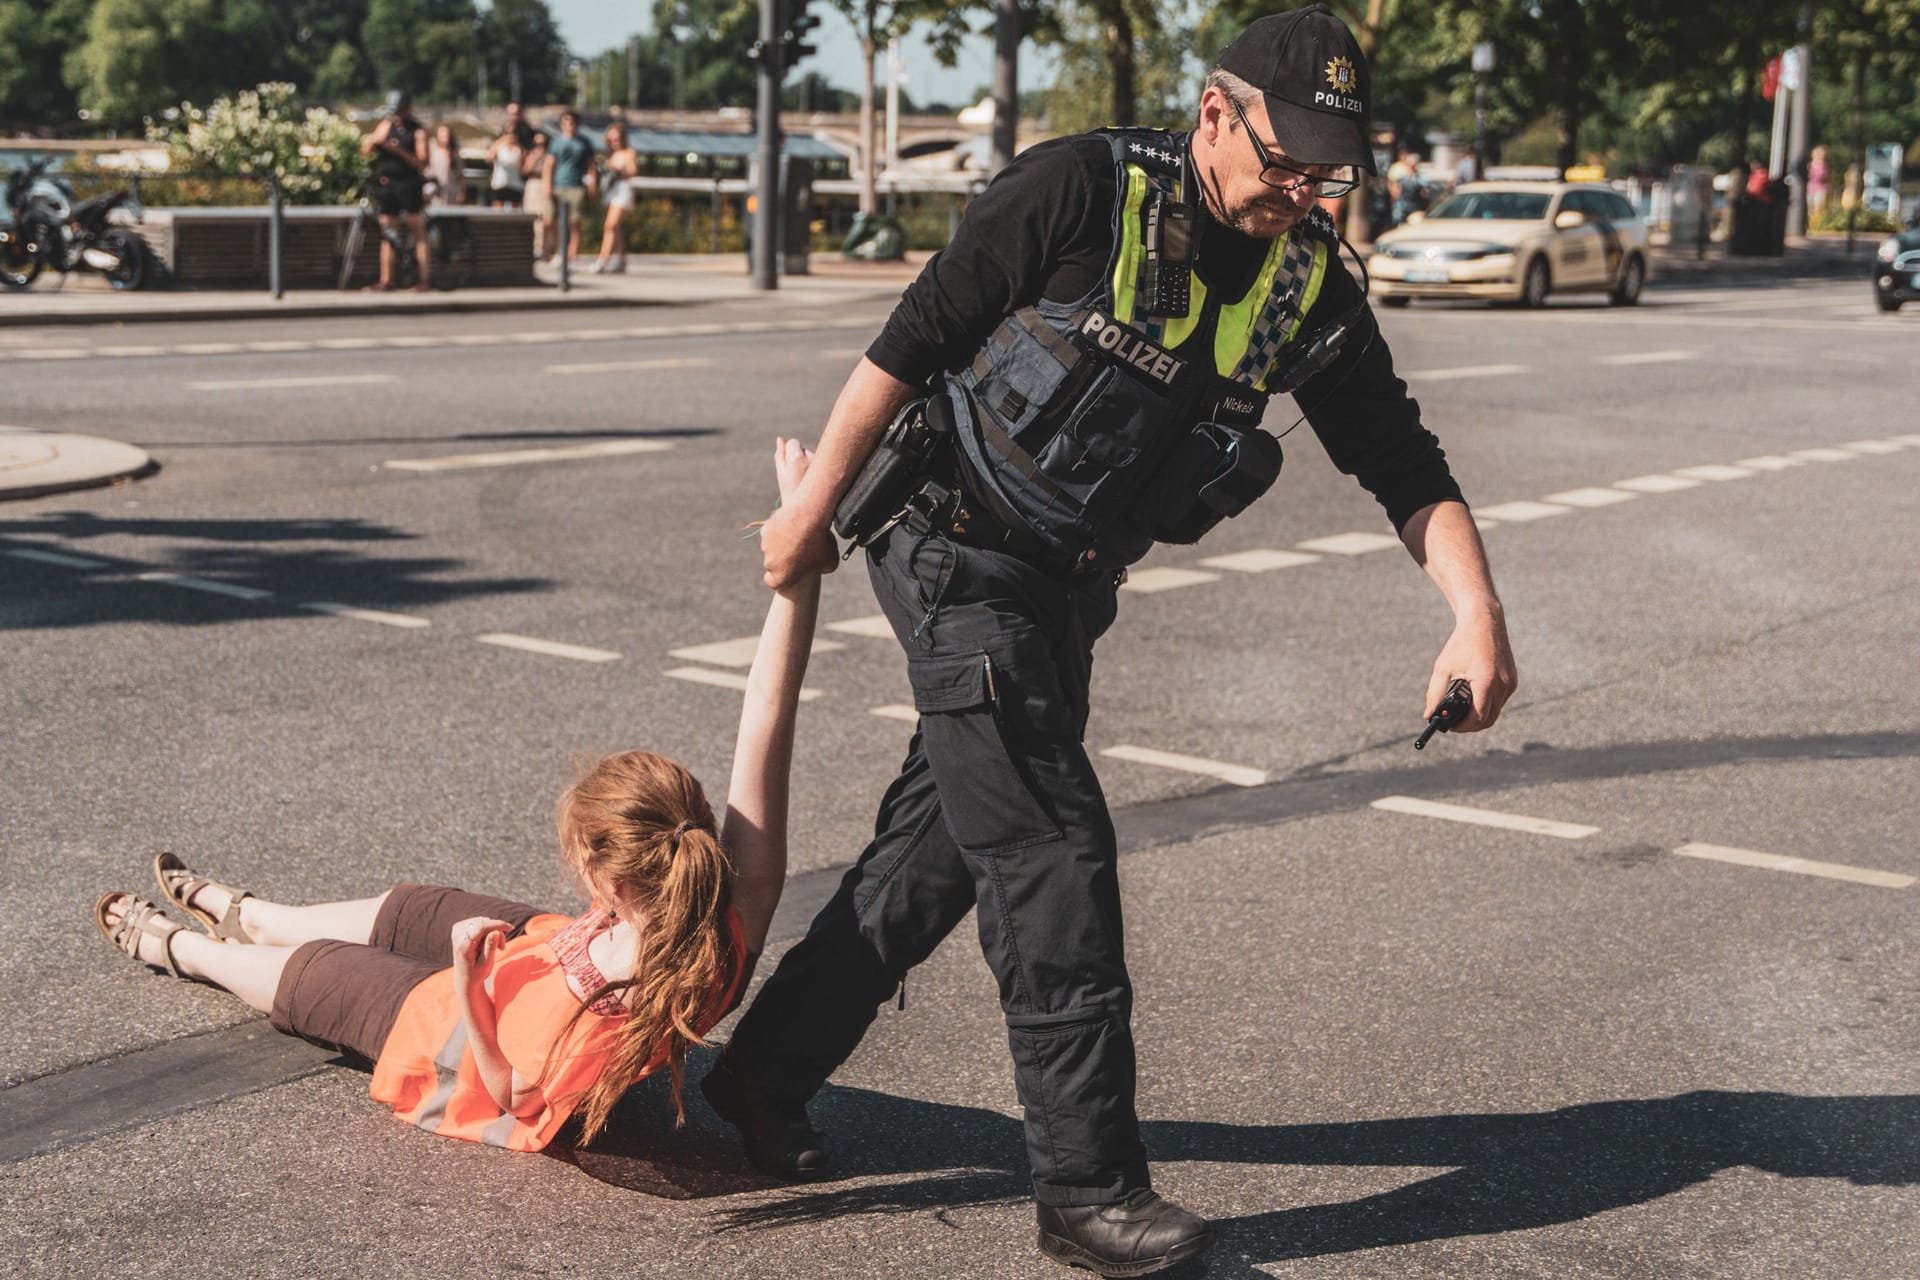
<point>1102,429</point>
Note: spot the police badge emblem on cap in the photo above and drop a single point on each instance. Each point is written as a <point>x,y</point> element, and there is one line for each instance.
<point>1309,68</point>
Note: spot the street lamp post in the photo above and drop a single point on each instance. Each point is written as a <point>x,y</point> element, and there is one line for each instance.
<point>1482,67</point>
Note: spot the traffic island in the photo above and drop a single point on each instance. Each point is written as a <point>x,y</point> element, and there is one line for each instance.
<point>36,463</point>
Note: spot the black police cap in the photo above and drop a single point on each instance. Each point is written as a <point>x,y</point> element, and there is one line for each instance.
<point>1316,83</point>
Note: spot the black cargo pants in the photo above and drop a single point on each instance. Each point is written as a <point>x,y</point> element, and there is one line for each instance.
<point>996,806</point>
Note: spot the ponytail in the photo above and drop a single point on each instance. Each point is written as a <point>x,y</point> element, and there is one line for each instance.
<point>642,821</point>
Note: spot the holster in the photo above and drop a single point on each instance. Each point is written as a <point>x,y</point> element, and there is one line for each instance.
<point>910,451</point>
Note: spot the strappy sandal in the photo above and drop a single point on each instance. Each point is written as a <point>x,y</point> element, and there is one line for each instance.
<point>178,885</point>
<point>141,917</point>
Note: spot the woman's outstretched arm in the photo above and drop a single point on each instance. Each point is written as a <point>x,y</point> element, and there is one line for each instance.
<point>755,829</point>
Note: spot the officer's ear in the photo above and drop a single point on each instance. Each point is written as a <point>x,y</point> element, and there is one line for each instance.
<point>1216,115</point>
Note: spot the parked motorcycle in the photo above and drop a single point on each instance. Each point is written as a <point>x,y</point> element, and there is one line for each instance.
<point>51,229</point>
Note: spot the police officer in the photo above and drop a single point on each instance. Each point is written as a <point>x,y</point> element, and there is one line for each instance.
<point>1101,339</point>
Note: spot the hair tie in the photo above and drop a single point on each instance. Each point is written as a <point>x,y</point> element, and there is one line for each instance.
<point>681,830</point>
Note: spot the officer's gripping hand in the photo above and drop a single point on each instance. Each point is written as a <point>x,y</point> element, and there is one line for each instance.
<point>1478,653</point>
<point>795,542</point>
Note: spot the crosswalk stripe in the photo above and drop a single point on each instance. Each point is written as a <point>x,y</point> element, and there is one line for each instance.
<point>1825,455</point>
<point>290,384</point>
<point>550,648</point>
<point>1772,462</point>
<point>1149,581</point>
<point>874,626</point>
<point>896,711</point>
<point>1484,817</point>
<point>1714,471</point>
<point>1349,544</point>
<point>1648,357</point>
<point>1874,446</point>
<point>1798,866</point>
<point>1466,371</point>
<point>1238,775</point>
<point>633,366</point>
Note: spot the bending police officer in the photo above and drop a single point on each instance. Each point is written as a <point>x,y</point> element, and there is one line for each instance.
<point>1102,336</point>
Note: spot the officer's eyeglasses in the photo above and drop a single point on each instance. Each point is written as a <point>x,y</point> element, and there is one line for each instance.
<point>1329,181</point>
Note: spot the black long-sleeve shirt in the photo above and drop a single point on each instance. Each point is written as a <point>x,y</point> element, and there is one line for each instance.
<point>1044,229</point>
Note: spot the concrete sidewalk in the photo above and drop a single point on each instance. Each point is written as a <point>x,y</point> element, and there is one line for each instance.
<point>650,280</point>
<point>1823,257</point>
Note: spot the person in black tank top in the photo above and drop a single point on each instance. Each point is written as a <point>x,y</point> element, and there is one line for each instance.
<point>398,145</point>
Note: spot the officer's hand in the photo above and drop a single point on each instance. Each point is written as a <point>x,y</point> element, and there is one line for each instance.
<point>1478,653</point>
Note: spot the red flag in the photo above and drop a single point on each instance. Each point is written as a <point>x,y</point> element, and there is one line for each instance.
<point>1771,85</point>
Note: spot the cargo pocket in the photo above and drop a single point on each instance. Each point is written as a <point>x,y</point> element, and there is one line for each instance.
<point>986,789</point>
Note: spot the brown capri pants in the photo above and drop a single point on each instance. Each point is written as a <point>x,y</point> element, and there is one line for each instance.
<point>346,996</point>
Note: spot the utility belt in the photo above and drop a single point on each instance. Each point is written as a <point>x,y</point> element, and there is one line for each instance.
<point>915,476</point>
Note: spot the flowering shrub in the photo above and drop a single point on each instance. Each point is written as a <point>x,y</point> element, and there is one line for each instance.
<point>260,131</point>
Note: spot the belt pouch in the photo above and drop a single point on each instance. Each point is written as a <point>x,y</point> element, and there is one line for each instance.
<point>1214,473</point>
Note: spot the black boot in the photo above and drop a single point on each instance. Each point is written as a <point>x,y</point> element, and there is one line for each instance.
<point>778,1136</point>
<point>1138,1235</point>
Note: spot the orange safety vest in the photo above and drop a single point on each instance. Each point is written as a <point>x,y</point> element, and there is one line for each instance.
<point>426,1071</point>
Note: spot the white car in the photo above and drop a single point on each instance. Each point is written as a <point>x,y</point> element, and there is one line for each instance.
<point>1516,242</point>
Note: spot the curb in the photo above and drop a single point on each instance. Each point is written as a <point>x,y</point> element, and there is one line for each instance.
<point>34,464</point>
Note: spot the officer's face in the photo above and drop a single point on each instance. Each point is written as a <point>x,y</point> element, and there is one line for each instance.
<point>1232,171</point>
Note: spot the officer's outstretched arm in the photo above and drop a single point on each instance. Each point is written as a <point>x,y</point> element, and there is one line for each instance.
<point>796,540</point>
<point>754,832</point>
<point>1443,539</point>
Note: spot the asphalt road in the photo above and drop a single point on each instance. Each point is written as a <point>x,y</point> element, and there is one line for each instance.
<point>1663,1022</point>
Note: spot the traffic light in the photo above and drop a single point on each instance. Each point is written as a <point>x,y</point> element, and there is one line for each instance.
<point>795,26</point>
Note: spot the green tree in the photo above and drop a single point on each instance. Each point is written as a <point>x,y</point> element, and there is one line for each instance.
<point>264,130</point>
<point>1123,62</point>
<point>35,37</point>
<point>140,54</point>
<point>522,43</point>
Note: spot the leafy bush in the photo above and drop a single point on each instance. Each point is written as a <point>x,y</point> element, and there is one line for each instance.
<point>1834,218</point>
<point>264,131</point>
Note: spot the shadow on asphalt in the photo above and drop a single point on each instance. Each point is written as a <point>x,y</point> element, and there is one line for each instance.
<point>464,437</point>
<point>1504,1172</point>
<point>247,554</point>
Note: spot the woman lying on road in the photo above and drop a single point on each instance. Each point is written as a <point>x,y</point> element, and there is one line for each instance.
<point>493,1021</point>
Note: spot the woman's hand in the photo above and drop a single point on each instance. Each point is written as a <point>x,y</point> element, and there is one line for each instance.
<point>785,537</point>
<point>475,943</point>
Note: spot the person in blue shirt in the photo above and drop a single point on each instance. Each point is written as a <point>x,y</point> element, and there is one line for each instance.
<point>571,176</point>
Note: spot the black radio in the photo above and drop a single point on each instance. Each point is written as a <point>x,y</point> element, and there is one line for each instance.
<point>1169,282</point>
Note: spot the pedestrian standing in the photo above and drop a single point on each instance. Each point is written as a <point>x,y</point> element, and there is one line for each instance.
<point>1818,178</point>
<point>539,194</point>
<point>622,165</point>
<point>446,172</point>
<point>398,145</point>
<point>506,184</point>
<point>1092,406</point>
<point>1403,184</point>
<point>571,177</point>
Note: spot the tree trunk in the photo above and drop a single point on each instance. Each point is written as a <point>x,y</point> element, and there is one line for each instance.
<point>869,200</point>
<point>1359,210</point>
<point>1859,184</point>
<point>1120,66</point>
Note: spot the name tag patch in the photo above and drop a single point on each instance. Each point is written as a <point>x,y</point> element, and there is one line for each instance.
<point>1126,345</point>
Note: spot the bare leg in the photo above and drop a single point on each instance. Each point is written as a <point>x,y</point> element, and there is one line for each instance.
<point>276,924</point>
<point>386,252</point>
<point>252,973</point>
<point>422,248</point>
<point>607,235</point>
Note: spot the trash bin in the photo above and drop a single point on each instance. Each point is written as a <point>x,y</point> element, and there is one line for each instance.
<point>795,232</point>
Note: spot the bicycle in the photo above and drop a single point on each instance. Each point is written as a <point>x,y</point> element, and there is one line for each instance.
<point>450,241</point>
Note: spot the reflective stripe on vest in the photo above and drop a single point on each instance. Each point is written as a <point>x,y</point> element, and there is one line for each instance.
<point>1250,331</point>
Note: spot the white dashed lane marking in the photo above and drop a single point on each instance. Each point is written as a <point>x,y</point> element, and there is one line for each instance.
<point>290,384</point>
<point>738,653</point>
<point>1825,455</point>
<point>1465,371</point>
<point>517,457</point>
<point>1261,560</point>
<point>1591,497</point>
<point>205,584</point>
<point>1149,581</point>
<point>1657,484</point>
<point>896,711</point>
<point>1714,471</point>
<point>633,366</point>
<point>874,626</point>
<point>1772,462</point>
<point>1648,357</point>
<point>1521,512</point>
<point>1483,817</point>
<point>550,648</point>
<point>726,680</point>
<point>1798,866</point>
<point>1349,544</point>
<point>55,557</point>
<point>1874,446</point>
<point>366,615</point>
<point>1238,775</point>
